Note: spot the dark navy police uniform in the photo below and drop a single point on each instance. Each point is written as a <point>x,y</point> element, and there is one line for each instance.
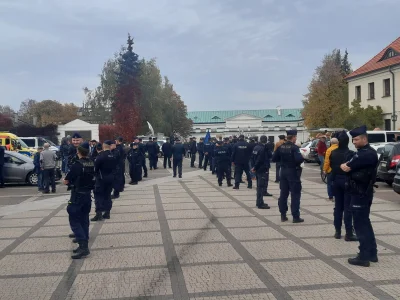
<point>261,163</point>
<point>167,151</point>
<point>135,158</point>
<point>290,158</point>
<point>223,161</point>
<point>178,152</point>
<point>105,169</point>
<point>240,157</point>
<point>341,211</point>
<point>208,148</point>
<point>361,180</point>
<point>200,150</point>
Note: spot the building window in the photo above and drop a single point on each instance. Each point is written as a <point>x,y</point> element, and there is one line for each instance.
<point>389,54</point>
<point>371,90</point>
<point>358,92</point>
<point>387,124</point>
<point>386,87</point>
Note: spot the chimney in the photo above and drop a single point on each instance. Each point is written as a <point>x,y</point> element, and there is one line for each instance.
<point>278,108</point>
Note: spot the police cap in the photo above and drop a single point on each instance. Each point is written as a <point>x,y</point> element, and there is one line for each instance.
<point>219,143</point>
<point>119,139</point>
<point>108,142</point>
<point>291,132</point>
<point>84,145</point>
<point>76,136</point>
<point>99,146</point>
<point>226,139</point>
<point>358,131</point>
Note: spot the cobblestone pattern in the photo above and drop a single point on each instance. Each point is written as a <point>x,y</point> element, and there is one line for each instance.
<point>195,240</point>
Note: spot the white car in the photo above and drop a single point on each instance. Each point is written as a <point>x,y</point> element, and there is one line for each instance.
<point>305,150</point>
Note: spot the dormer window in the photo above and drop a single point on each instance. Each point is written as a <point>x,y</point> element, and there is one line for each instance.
<point>216,118</point>
<point>268,116</point>
<point>389,54</point>
<point>195,118</point>
<point>289,116</point>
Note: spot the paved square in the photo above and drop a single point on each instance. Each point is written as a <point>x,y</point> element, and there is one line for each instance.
<point>220,278</point>
<point>172,239</point>
<point>304,273</point>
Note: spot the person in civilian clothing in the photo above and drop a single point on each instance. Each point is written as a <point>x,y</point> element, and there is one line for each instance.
<point>48,164</point>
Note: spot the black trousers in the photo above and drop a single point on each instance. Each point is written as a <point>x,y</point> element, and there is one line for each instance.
<point>102,195</point>
<point>290,184</point>
<point>144,167</point>
<point>135,172</point>
<point>153,161</point>
<point>342,212</point>
<point>201,157</point>
<point>49,179</point>
<point>363,228</point>
<point>192,159</point>
<point>223,169</point>
<point>177,163</point>
<point>207,160</point>
<point>239,169</point>
<point>262,184</point>
<point>78,214</point>
<point>167,158</point>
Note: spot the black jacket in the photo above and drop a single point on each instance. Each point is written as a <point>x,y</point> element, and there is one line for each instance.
<point>222,155</point>
<point>167,149</point>
<point>193,147</point>
<point>135,157</point>
<point>178,151</point>
<point>200,147</point>
<point>241,153</point>
<point>261,158</point>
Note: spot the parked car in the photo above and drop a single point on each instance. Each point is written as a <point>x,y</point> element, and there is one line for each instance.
<point>388,161</point>
<point>19,168</point>
<point>305,150</point>
<point>396,180</point>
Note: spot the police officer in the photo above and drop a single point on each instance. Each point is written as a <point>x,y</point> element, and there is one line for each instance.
<point>223,162</point>
<point>167,151</point>
<point>361,170</point>
<point>152,151</point>
<point>99,148</point>
<point>240,159</point>
<point>261,164</point>
<point>81,180</point>
<point>290,159</point>
<point>135,158</point>
<point>228,145</point>
<point>120,164</point>
<point>142,148</point>
<point>208,148</point>
<point>278,163</point>
<point>342,195</point>
<point>72,152</point>
<point>157,153</point>
<point>213,162</point>
<point>193,151</point>
<point>105,170</point>
<point>200,150</point>
<point>178,152</point>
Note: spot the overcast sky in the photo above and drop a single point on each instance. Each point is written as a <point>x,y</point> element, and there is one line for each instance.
<point>219,54</point>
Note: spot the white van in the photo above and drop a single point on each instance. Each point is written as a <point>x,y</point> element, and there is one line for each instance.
<point>382,136</point>
<point>36,142</point>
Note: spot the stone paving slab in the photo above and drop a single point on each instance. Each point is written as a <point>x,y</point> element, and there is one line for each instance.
<point>191,239</point>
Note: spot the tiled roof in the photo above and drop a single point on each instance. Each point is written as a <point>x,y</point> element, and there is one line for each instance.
<point>377,63</point>
<point>267,115</point>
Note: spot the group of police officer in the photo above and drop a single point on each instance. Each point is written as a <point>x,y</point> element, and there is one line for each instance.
<point>356,175</point>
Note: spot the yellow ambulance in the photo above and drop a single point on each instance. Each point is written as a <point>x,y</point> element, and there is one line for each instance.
<point>13,143</point>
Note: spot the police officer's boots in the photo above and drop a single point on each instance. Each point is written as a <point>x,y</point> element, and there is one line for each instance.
<point>284,218</point>
<point>82,251</point>
<point>350,236</point>
<point>338,234</point>
<point>97,217</point>
<point>106,215</point>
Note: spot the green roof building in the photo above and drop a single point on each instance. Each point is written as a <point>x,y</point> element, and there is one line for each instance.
<point>270,122</point>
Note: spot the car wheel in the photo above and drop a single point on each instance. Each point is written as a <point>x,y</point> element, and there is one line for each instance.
<point>32,178</point>
<point>389,182</point>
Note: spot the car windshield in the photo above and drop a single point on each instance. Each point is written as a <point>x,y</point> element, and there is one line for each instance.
<point>304,145</point>
<point>22,143</point>
<point>42,141</point>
